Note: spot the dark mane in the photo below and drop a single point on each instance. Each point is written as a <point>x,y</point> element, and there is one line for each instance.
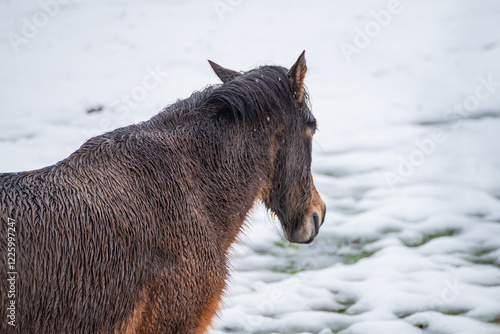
<point>252,97</point>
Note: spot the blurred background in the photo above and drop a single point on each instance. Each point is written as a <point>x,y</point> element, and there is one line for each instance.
<point>407,157</point>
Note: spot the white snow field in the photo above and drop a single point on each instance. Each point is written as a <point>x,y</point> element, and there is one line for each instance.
<point>407,159</point>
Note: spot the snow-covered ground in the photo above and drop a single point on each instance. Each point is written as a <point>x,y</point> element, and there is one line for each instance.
<point>407,159</point>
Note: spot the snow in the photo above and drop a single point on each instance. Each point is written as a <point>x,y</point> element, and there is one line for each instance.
<point>406,157</point>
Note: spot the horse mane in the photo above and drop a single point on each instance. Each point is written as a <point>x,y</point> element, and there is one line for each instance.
<point>250,97</point>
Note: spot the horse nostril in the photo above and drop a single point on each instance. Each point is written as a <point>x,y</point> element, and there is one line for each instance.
<point>315,221</point>
<point>324,215</point>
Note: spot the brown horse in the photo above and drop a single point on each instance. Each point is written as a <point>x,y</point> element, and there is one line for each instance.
<point>130,233</point>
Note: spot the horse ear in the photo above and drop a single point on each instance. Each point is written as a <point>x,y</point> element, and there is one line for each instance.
<point>297,74</point>
<point>223,73</point>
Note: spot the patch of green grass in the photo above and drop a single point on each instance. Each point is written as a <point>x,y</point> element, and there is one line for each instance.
<point>343,311</point>
<point>430,236</point>
<point>283,243</point>
<point>346,303</point>
<point>290,268</point>
<point>422,326</point>
<point>483,252</point>
<point>403,315</point>
<point>330,309</point>
<point>343,302</point>
<point>354,255</point>
<point>390,229</point>
<point>495,320</point>
<point>485,260</point>
<point>283,248</point>
<point>455,311</point>
<point>485,257</point>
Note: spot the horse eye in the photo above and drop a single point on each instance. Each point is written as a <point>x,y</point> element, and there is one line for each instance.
<point>313,131</point>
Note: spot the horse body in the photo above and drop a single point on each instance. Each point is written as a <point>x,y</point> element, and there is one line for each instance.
<point>130,233</point>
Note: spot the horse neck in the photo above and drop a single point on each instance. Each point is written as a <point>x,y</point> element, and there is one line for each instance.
<point>237,160</point>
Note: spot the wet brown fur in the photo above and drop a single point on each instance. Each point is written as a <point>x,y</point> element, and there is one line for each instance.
<point>130,233</point>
